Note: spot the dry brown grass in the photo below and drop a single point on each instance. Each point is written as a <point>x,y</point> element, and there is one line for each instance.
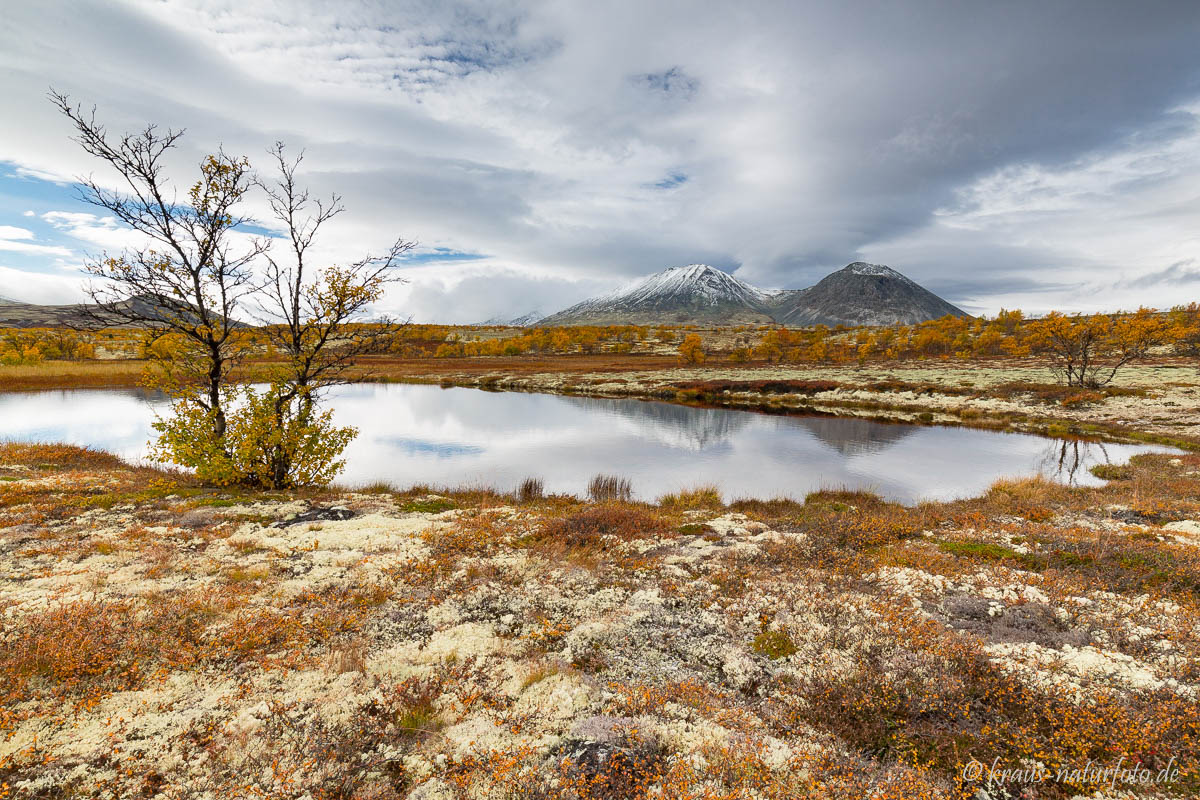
<point>700,497</point>
<point>72,375</point>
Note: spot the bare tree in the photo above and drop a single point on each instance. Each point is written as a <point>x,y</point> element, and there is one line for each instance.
<point>189,277</point>
<point>312,313</point>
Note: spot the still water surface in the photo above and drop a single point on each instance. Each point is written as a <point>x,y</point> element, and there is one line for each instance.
<point>459,437</point>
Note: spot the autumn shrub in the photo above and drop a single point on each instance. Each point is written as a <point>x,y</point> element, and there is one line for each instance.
<point>262,445</point>
<point>1031,498</point>
<point>691,349</point>
<point>589,528</point>
<point>773,644</point>
<point>929,695</point>
<point>626,769</point>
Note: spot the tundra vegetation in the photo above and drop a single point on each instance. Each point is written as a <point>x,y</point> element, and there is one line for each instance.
<point>1080,350</point>
<point>161,637</point>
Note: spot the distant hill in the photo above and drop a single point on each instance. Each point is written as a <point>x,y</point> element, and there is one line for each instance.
<point>858,294</point>
<point>523,321</point>
<point>15,314</point>
<point>862,294</point>
<point>696,293</point>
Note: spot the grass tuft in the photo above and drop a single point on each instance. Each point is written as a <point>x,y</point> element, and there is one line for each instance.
<point>531,489</point>
<point>610,487</point>
<point>701,497</point>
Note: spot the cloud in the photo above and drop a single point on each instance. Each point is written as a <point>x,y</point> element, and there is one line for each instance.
<point>673,82</point>
<point>36,287</point>
<point>11,232</point>
<point>1007,155</point>
<point>1180,272</point>
<point>42,175</point>
<point>17,240</point>
<point>465,294</point>
<point>93,229</point>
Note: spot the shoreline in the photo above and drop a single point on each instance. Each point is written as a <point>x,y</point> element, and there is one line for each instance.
<point>1152,404</point>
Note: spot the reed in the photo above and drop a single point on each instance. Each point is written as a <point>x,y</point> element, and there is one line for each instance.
<point>610,487</point>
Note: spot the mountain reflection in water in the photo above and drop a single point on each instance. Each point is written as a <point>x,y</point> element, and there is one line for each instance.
<point>456,437</point>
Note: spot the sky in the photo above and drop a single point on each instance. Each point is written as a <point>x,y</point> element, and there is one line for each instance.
<point>1005,155</point>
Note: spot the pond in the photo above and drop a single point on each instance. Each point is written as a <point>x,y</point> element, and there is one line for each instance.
<point>415,434</point>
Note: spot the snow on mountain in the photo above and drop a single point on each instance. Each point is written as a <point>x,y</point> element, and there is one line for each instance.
<point>692,282</point>
<point>863,268</point>
<point>858,294</point>
<point>696,292</point>
<point>523,321</point>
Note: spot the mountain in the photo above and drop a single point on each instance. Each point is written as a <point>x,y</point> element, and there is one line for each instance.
<point>523,321</point>
<point>857,294</point>
<point>15,314</point>
<point>862,294</point>
<point>8,301</point>
<point>696,293</point>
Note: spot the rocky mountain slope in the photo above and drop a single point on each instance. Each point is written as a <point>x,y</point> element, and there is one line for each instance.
<point>858,294</point>
<point>695,293</point>
<point>863,294</point>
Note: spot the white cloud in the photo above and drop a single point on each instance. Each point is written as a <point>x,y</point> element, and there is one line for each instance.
<point>105,232</point>
<point>18,240</point>
<point>791,138</point>
<point>13,232</point>
<point>43,175</point>
<point>38,287</point>
<point>1102,231</point>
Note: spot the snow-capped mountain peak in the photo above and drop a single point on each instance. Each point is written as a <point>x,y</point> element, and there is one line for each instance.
<point>693,291</point>
<point>863,268</point>
<point>696,280</point>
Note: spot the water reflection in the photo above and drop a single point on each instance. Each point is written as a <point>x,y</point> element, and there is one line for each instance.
<point>686,427</point>
<point>456,437</point>
<point>1066,460</point>
<point>854,437</point>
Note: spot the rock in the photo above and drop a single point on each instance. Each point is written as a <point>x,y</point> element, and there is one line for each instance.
<point>612,766</point>
<point>316,514</point>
